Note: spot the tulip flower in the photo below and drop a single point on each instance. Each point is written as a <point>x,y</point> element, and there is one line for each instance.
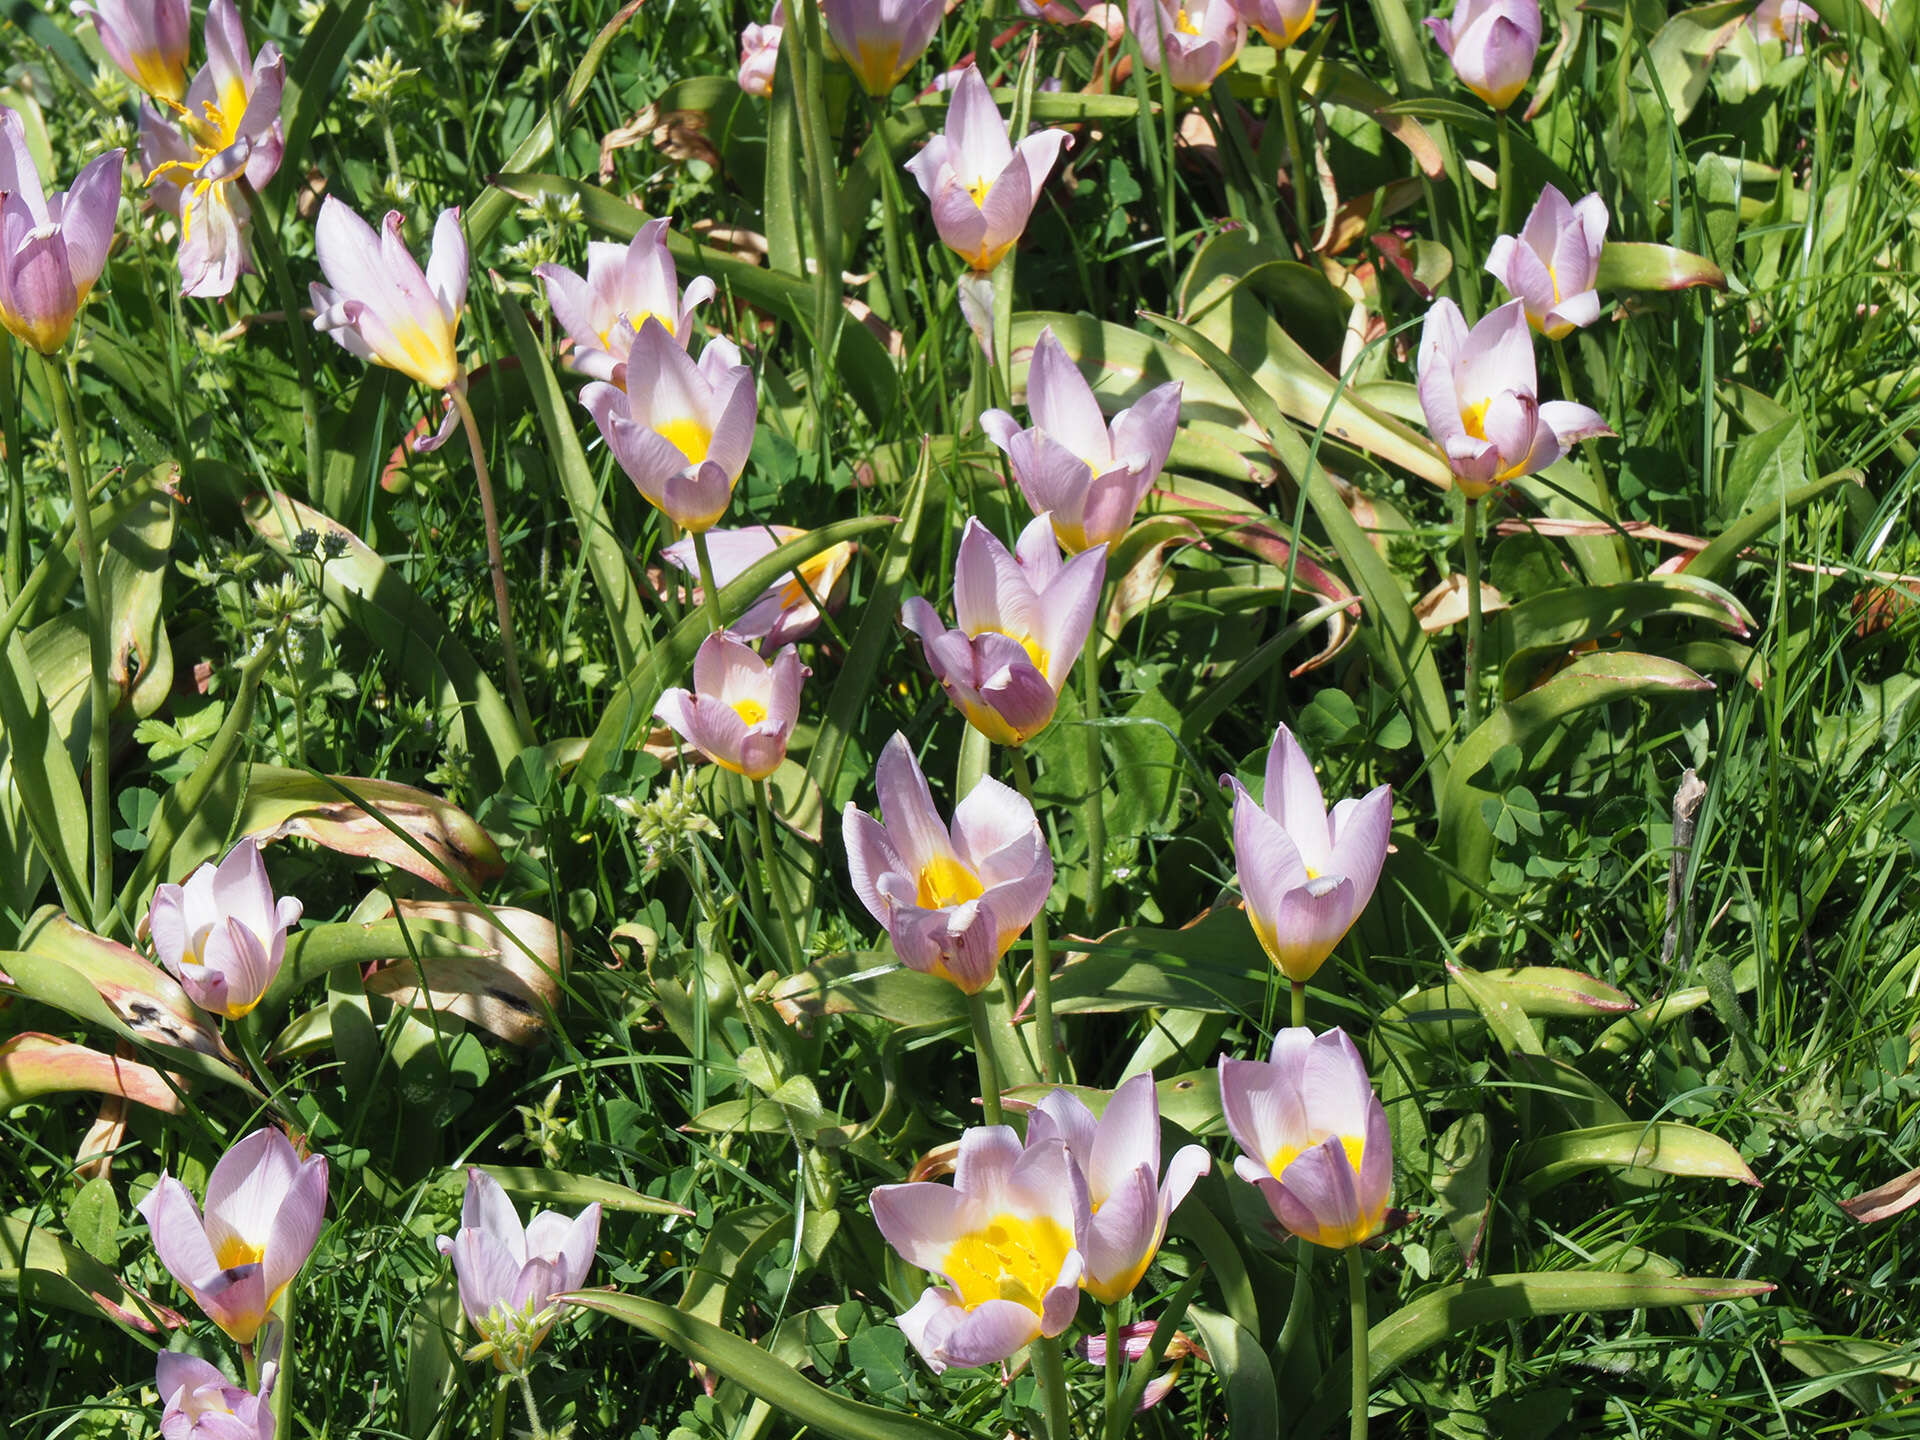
<point>379,304</point>
<point>1782,20</point>
<point>1492,44</point>
<point>1118,1159</point>
<point>1023,623</point>
<point>263,1214</point>
<point>1551,266</point>
<point>786,610</point>
<point>51,250</point>
<point>200,1403</point>
<point>508,1274</point>
<point>625,285</point>
<point>229,131</point>
<point>147,39</point>
<point>1478,390</point>
<point>222,934</point>
<point>953,899</point>
<point>681,431</point>
<point>1136,1343</point>
<point>1305,874</point>
<point>1280,22</point>
<point>741,710</point>
<point>1088,476</point>
<point>1194,41</point>
<point>880,39</point>
<point>1004,1236</point>
<point>1314,1135</point>
<point>982,188</point>
<point>760,53</point>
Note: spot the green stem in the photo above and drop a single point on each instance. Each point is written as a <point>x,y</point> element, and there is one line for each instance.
<point>496,560</point>
<point>1299,1004</point>
<point>1473,614</point>
<point>983,1057</point>
<point>1096,784</point>
<point>281,1401</point>
<point>500,1409</point>
<point>777,883</point>
<point>535,1429</point>
<point>249,1369</point>
<point>1505,196</point>
<point>1113,1368</point>
<point>1357,1305</point>
<point>1042,950</point>
<point>1052,1375</point>
<point>1298,164</point>
<point>268,243</point>
<point>709,592</point>
<point>15,573</point>
<point>806,55</point>
<point>1602,496</point>
<point>98,645</point>
<point>895,277</point>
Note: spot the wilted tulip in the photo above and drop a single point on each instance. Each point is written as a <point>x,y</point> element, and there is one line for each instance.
<point>625,286</point>
<point>1070,464</point>
<point>953,900</point>
<point>509,1275</point>
<point>377,302</point>
<point>982,188</point>
<point>51,250</point>
<point>1782,20</point>
<point>232,132</point>
<point>760,53</point>
<point>1136,1343</point>
<point>741,710</point>
<point>1118,1158</point>
<point>1551,266</point>
<point>147,39</point>
<point>264,1209</point>
<point>786,610</point>
<point>1280,22</point>
<point>1004,1236</point>
<point>1478,389</point>
<point>1192,40</point>
<point>682,431</point>
<point>200,1403</point>
<point>222,934</point>
<point>880,39</point>
<point>1305,874</point>
<point>1023,623</point>
<point>1314,1135</point>
<point>1492,44</point>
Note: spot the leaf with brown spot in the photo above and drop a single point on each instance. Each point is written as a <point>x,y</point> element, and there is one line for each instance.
<point>146,997</point>
<point>500,986</point>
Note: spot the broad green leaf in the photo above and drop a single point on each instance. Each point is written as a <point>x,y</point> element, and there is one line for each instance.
<point>557,1187</point>
<point>1626,265</point>
<point>1214,964</point>
<point>1663,1146</point>
<point>1253,1399</point>
<point>867,982</point>
<point>506,980</point>
<point>1549,626</point>
<point>1714,561</point>
<point>44,1270</point>
<point>33,1065</point>
<point>42,777</point>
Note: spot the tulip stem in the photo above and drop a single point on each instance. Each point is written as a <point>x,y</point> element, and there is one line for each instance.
<point>709,592</point>
<point>895,279</point>
<point>1602,497</point>
<point>500,1408</point>
<point>1299,1004</point>
<point>1096,782</point>
<point>1473,614</point>
<point>806,54</point>
<point>1297,160</point>
<point>1357,1305</point>
<point>1052,1375</point>
<point>1113,1369</point>
<point>15,573</point>
<point>777,883</point>
<point>1042,951</point>
<point>1503,129</point>
<point>496,560</point>
<point>98,645</point>
<point>269,244</point>
<point>983,1057</point>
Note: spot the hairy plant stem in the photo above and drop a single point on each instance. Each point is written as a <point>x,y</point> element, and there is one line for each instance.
<point>1357,1308</point>
<point>536,1430</point>
<point>1299,1004</point>
<point>709,592</point>
<point>776,882</point>
<point>1096,782</point>
<point>1298,162</point>
<point>983,1056</point>
<point>1112,1399</point>
<point>1042,951</point>
<point>496,560</point>
<point>1505,198</point>
<point>268,244</point>
<point>1052,1375</point>
<point>1473,614</point>
<point>100,659</point>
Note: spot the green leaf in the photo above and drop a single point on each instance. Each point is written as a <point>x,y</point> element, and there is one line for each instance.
<point>1663,1146</point>
<point>556,1187</point>
<point>1626,265</point>
<point>45,1270</point>
<point>1546,627</point>
<point>1253,1399</point>
<point>867,982</point>
<point>44,785</point>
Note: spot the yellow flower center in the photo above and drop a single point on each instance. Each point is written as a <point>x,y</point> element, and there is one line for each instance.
<point>1035,651</point>
<point>606,335</point>
<point>1012,1257</point>
<point>813,572</point>
<point>751,712</point>
<point>235,1252</point>
<point>1184,25</point>
<point>977,192</point>
<point>215,128</point>
<point>1277,1163</point>
<point>945,881</point>
<point>688,436</point>
<point>1474,417</point>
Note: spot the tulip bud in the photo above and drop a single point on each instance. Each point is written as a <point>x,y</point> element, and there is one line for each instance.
<point>1492,44</point>
<point>222,934</point>
<point>741,710</point>
<point>760,53</point>
<point>147,39</point>
<point>1552,265</point>
<point>1194,41</point>
<point>51,250</point>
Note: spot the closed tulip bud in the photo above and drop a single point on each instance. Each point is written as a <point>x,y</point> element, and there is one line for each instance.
<point>953,900</point>
<point>741,710</point>
<point>1492,44</point>
<point>1280,22</point>
<point>1305,873</point>
<point>982,187</point>
<point>223,934</point>
<point>52,250</point>
<point>379,304</point>
<point>200,1403</point>
<point>509,1274</point>
<point>263,1214</point>
<point>1004,1237</point>
<point>1552,265</point>
<point>1478,391</point>
<point>760,53</point>
<point>1314,1135</point>
<point>1194,41</point>
<point>1089,476</point>
<point>147,39</point>
<point>880,39</point>
<point>788,609</point>
<point>625,286</point>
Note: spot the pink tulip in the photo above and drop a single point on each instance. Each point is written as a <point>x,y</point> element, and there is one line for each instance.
<point>1004,1236</point>
<point>380,306</point>
<point>760,53</point>
<point>952,900</point>
<point>1280,22</point>
<point>625,286</point>
<point>1305,874</point>
<point>508,1274</point>
<point>222,934</point>
<point>147,39</point>
<point>1314,1135</point>
<point>52,250</point>
<point>741,710</point>
<point>1088,476</point>
<point>1782,20</point>
<point>1194,41</point>
<point>786,610</point>
<point>880,39</point>
<point>1023,623</point>
<point>1492,44</point>
<point>228,130</point>
<point>264,1211</point>
<point>200,1403</point>
<point>1478,390</point>
<point>981,187</point>
<point>1552,266</point>
<point>1118,1159</point>
<point>682,431</point>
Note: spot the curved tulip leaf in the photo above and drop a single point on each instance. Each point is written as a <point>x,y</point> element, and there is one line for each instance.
<point>1253,1397</point>
<point>556,1187</point>
<point>48,808</point>
<point>142,994</point>
<point>760,1373</point>
<point>1548,626</point>
<point>1214,965</point>
<point>1628,265</point>
<point>1618,1037</point>
<point>33,1065</point>
<point>1329,80</point>
<point>867,982</point>
<point>505,980</point>
<point>1663,1146</point>
<point>40,1266</point>
<point>1712,562</point>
